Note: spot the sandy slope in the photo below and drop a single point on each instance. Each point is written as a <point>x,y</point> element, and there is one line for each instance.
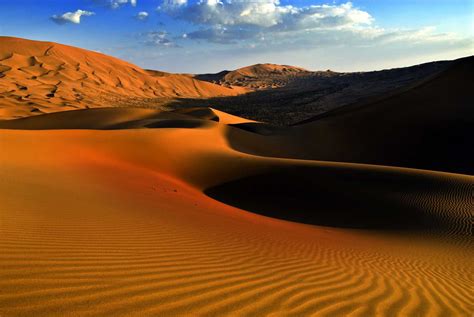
<point>43,77</point>
<point>258,76</point>
<point>115,222</point>
<point>429,126</point>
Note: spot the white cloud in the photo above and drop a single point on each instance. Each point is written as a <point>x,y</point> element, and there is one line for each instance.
<point>143,15</point>
<point>172,5</point>
<point>158,38</point>
<point>71,17</point>
<point>114,4</point>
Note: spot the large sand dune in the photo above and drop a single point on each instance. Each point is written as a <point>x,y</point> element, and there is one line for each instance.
<point>43,77</point>
<point>115,222</point>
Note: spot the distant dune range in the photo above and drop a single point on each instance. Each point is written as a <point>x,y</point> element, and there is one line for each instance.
<point>133,211</point>
<point>44,77</point>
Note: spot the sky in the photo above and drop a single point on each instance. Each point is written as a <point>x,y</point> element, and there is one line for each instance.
<point>202,36</point>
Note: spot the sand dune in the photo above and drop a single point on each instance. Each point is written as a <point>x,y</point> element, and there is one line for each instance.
<point>43,77</point>
<point>258,76</point>
<point>427,127</point>
<point>121,210</point>
<point>115,222</point>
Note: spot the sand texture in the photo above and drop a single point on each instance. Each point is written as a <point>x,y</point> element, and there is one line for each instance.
<point>195,212</point>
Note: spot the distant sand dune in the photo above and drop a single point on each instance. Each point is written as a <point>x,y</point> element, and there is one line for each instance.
<point>43,77</point>
<point>258,76</point>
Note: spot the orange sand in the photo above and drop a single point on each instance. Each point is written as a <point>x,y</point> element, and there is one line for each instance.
<point>115,222</point>
<point>43,77</point>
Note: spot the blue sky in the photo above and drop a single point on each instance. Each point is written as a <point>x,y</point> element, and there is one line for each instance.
<point>198,36</point>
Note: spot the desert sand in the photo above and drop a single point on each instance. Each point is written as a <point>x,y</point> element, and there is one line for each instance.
<point>43,77</point>
<point>195,212</point>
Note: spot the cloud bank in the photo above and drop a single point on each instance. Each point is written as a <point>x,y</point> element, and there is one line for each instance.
<point>267,22</point>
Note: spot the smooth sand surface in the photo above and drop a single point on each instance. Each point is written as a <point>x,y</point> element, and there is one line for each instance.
<point>43,77</point>
<point>116,221</point>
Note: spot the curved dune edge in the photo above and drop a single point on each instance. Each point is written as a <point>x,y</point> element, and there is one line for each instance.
<point>115,222</point>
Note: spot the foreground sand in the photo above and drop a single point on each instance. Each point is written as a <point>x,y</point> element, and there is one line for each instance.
<point>115,222</point>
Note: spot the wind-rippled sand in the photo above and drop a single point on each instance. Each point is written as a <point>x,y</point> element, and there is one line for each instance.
<point>115,222</point>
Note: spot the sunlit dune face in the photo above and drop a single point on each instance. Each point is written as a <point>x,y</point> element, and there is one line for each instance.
<point>42,77</point>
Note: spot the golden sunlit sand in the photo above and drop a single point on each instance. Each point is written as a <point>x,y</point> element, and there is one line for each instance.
<point>195,212</point>
<point>42,77</point>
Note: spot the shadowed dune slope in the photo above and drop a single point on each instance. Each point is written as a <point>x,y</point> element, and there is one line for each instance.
<point>41,77</point>
<point>354,196</point>
<point>427,127</point>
